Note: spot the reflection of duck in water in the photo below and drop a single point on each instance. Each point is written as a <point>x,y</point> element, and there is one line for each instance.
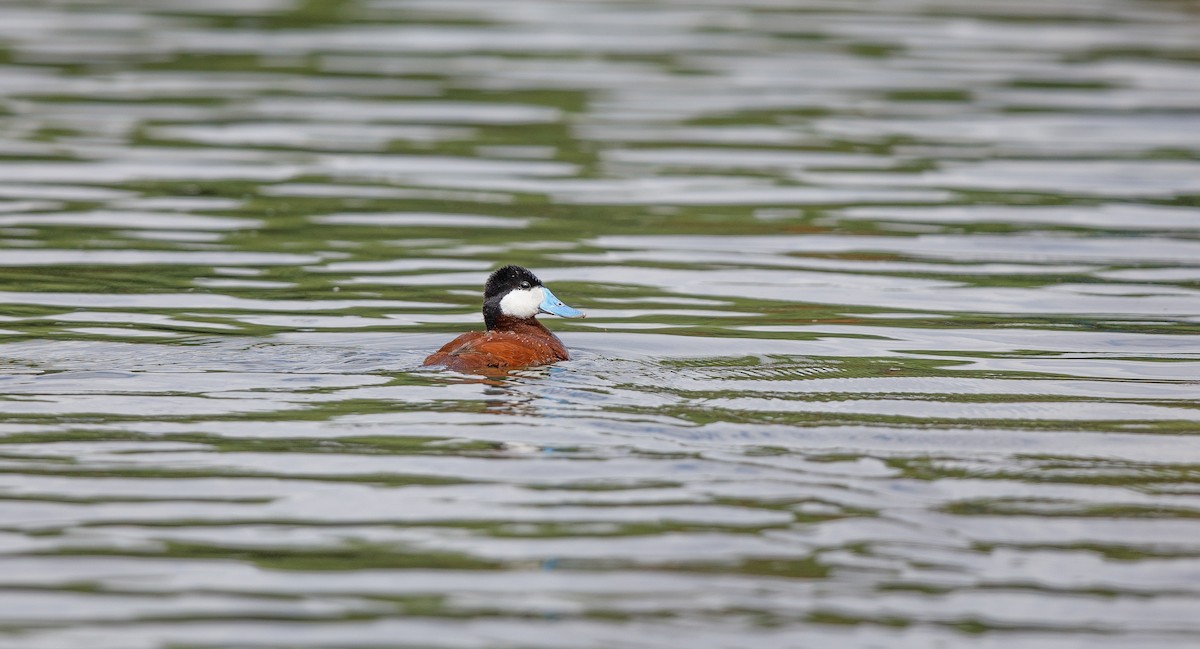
<point>512,298</point>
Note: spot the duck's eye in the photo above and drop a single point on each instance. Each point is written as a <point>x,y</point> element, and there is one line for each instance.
<point>524,284</point>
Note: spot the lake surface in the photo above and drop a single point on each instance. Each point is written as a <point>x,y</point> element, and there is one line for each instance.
<point>892,335</point>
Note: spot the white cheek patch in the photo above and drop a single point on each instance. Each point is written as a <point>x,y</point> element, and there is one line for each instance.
<point>522,303</point>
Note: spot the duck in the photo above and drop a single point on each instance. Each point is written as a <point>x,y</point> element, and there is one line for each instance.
<point>512,299</point>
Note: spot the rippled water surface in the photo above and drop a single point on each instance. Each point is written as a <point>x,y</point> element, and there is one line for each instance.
<point>892,336</point>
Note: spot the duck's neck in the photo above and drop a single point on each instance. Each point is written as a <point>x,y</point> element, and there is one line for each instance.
<point>517,325</point>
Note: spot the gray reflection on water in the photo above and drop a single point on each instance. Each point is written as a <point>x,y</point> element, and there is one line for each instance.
<point>891,336</point>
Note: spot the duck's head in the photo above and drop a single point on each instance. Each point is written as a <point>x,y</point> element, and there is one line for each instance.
<point>515,292</point>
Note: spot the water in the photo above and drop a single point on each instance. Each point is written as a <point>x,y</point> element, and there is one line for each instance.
<point>892,335</point>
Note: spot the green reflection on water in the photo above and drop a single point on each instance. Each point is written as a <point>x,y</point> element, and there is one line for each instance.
<point>706,454</point>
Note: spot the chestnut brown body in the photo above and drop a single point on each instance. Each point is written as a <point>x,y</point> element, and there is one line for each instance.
<point>511,343</point>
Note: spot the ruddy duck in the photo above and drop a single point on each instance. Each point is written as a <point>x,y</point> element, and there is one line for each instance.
<point>512,298</point>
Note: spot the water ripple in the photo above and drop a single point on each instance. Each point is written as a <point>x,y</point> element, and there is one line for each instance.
<point>892,311</point>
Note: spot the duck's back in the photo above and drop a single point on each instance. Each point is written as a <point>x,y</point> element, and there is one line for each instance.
<point>482,350</point>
